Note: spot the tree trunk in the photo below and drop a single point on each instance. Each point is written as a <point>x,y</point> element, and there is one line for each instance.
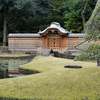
<point>83,13</point>
<point>4,27</point>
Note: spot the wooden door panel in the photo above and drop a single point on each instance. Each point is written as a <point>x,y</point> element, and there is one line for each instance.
<point>54,42</point>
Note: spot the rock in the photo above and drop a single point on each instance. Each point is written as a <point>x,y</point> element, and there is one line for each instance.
<point>72,66</point>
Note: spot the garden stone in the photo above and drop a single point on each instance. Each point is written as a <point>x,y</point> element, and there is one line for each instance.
<point>72,66</point>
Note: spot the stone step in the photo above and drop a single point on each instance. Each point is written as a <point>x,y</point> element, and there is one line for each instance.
<point>46,52</point>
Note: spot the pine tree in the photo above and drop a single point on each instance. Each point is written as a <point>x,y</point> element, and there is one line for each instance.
<point>92,30</point>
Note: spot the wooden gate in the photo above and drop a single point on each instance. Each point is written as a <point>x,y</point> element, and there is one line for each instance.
<point>54,43</point>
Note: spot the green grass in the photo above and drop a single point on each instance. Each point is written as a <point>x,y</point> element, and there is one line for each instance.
<point>55,82</point>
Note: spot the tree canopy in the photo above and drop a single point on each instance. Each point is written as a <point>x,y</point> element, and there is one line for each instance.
<point>28,16</point>
<point>29,6</point>
<point>73,18</point>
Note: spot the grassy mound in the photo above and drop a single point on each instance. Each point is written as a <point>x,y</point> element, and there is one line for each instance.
<point>54,82</point>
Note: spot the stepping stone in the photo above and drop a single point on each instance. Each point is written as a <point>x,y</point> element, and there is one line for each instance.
<point>72,66</point>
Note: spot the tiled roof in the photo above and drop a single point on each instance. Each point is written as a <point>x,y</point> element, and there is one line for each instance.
<point>38,35</point>
<point>24,35</point>
<point>76,34</point>
<point>57,26</point>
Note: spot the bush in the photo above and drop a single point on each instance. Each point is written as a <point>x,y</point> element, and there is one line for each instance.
<point>92,53</point>
<point>82,57</point>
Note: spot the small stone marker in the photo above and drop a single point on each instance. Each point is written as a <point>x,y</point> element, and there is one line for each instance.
<point>72,66</point>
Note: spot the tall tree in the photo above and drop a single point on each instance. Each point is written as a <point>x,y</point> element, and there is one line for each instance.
<point>33,6</point>
<point>92,29</point>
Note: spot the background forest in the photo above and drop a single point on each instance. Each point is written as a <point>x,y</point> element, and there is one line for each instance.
<point>32,16</point>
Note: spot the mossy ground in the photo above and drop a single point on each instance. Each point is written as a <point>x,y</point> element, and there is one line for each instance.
<point>54,82</point>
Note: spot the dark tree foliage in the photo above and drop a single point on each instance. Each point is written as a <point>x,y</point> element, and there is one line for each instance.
<point>29,16</point>
<point>33,7</point>
<point>25,22</point>
<point>73,14</point>
<point>57,12</point>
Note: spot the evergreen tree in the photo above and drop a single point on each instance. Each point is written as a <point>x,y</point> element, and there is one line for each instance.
<point>92,30</point>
